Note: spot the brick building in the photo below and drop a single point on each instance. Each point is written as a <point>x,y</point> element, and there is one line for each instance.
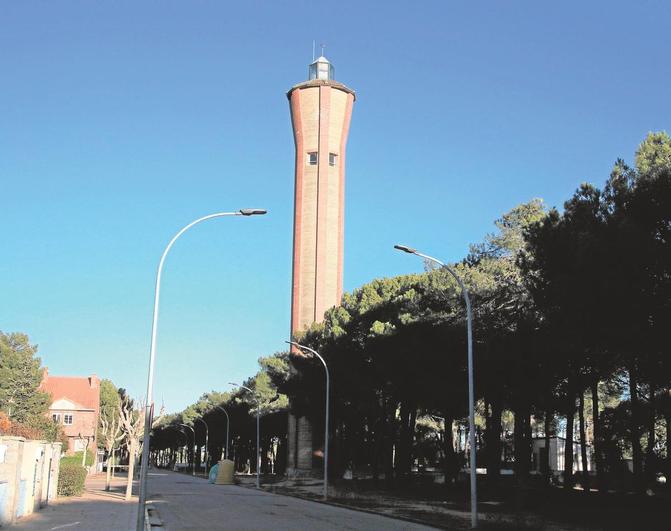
<point>76,406</point>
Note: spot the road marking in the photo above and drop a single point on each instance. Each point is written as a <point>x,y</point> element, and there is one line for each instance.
<point>65,525</point>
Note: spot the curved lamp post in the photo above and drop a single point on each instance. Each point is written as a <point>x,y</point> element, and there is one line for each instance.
<point>207,433</point>
<point>471,393</point>
<point>152,357</point>
<point>326,416</point>
<point>228,425</point>
<point>258,444</point>
<point>193,448</point>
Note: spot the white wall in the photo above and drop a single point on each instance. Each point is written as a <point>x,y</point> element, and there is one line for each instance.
<point>28,476</point>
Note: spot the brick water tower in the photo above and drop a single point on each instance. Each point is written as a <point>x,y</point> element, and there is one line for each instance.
<point>321,109</point>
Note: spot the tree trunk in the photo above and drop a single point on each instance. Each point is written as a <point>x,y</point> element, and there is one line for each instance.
<point>131,469</point>
<point>650,450</point>
<point>668,434</point>
<point>546,465</point>
<point>635,428</point>
<point>108,474</point>
<point>402,457</point>
<point>86,447</point>
<point>596,435</point>
<point>451,463</point>
<point>376,455</point>
<point>522,443</point>
<point>138,456</point>
<point>388,441</point>
<point>528,439</point>
<point>518,429</point>
<point>379,435</point>
<point>410,439</point>
<point>583,441</point>
<point>568,443</point>
<point>493,439</point>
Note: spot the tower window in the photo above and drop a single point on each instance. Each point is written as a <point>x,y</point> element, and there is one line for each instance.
<point>312,158</point>
<point>67,419</point>
<point>332,159</point>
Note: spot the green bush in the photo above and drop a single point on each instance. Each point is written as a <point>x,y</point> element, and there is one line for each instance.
<point>71,479</point>
<point>76,458</point>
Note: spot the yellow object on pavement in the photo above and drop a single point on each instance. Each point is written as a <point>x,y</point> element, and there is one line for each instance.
<point>225,473</point>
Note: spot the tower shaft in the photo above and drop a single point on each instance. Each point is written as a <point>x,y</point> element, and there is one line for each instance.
<point>320,113</point>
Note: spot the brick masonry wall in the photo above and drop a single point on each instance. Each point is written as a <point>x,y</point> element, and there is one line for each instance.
<point>83,423</point>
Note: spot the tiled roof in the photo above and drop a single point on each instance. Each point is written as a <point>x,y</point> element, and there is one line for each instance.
<point>82,390</point>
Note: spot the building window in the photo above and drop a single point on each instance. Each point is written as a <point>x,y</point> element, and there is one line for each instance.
<point>332,159</point>
<point>56,417</point>
<point>312,158</point>
<point>67,419</point>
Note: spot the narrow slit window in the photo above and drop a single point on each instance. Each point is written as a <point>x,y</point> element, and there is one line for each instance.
<point>332,159</point>
<point>312,158</point>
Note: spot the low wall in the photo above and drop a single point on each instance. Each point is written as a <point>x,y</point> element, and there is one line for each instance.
<point>28,476</point>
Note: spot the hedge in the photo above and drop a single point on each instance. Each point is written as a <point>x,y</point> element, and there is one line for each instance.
<point>76,458</point>
<point>71,479</point>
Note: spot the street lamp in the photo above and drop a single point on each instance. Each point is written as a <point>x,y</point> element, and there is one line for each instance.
<point>228,425</point>
<point>193,448</point>
<point>152,357</point>
<point>471,393</point>
<point>207,452</point>
<point>326,416</point>
<point>258,443</point>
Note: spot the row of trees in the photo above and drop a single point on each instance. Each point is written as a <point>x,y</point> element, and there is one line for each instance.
<point>571,313</point>
<point>120,431</point>
<point>232,413</point>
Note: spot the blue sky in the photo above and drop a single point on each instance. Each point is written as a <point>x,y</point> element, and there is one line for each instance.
<point>120,122</point>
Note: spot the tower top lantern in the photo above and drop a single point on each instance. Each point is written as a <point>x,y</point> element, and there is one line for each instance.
<point>321,68</point>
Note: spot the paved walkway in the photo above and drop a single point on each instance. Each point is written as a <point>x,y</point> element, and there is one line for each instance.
<point>187,503</point>
<point>96,510</point>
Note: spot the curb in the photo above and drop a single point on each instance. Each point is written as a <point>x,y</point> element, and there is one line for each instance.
<point>152,519</point>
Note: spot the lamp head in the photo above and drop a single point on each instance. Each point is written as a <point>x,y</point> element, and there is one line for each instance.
<point>405,249</point>
<point>252,211</point>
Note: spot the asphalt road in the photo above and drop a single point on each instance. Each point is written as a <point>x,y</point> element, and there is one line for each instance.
<point>186,503</point>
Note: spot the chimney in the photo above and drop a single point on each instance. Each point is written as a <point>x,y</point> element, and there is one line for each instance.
<point>94,381</point>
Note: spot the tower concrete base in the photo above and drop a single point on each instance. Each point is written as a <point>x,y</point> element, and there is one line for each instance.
<point>300,462</point>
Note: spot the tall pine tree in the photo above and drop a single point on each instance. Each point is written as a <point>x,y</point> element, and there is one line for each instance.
<point>20,376</point>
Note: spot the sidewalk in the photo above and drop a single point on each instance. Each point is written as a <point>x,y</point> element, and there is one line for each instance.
<point>95,510</point>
